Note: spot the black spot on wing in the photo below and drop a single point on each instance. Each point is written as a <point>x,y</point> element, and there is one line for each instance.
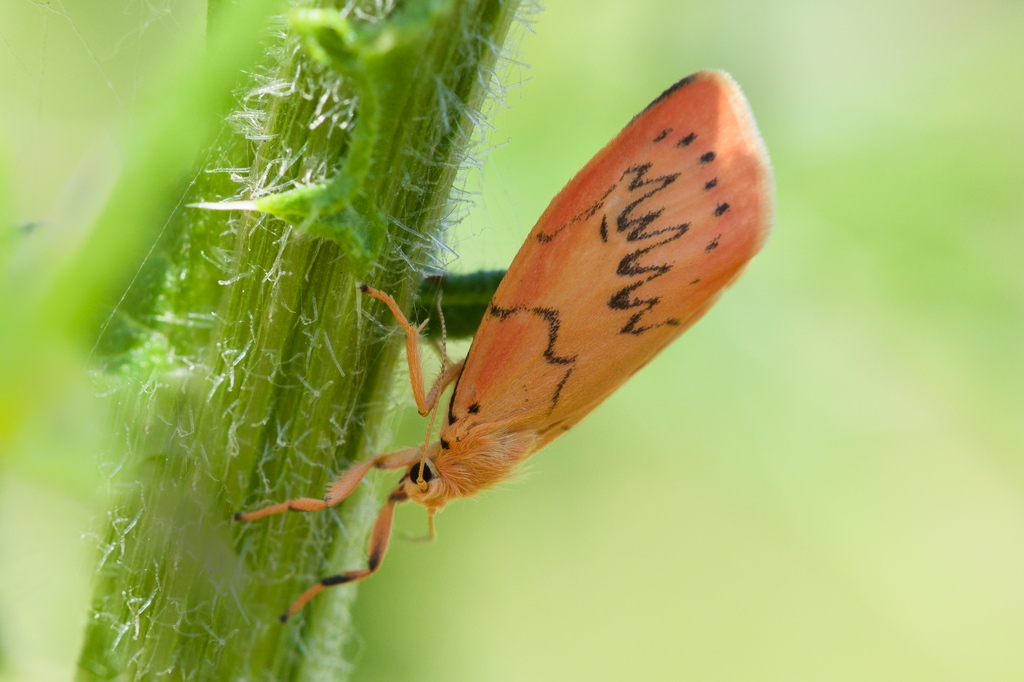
<point>687,141</point>
<point>710,184</point>
<point>713,245</point>
<point>721,209</point>
<point>707,157</point>
<point>474,408</point>
<point>663,134</point>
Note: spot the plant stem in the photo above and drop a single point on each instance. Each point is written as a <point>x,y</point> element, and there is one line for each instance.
<point>245,368</point>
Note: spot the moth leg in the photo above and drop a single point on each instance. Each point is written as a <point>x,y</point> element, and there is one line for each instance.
<point>425,401</point>
<point>378,547</point>
<point>341,488</point>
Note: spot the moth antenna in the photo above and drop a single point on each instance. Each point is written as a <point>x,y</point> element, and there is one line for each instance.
<point>433,413</point>
<point>423,458</point>
<point>444,333</point>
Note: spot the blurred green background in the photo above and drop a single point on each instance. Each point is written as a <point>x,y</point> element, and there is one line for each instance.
<point>824,480</point>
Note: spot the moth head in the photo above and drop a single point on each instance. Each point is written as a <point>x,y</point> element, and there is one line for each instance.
<point>425,484</point>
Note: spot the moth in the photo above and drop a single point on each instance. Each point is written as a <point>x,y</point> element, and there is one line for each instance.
<point>630,254</point>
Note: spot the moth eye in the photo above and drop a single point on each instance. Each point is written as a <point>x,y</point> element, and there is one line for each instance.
<point>414,473</point>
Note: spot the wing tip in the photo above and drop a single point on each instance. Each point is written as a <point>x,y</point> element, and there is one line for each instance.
<point>766,174</point>
<point>669,91</point>
<point>717,76</point>
<point>739,104</point>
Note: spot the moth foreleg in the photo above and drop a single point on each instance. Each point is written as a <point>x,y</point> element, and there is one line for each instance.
<point>425,401</point>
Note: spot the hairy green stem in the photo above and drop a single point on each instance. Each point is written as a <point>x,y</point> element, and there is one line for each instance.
<point>245,368</point>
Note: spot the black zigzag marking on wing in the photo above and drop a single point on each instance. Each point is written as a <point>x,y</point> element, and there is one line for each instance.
<point>636,226</point>
<point>636,229</point>
<point>554,322</point>
<point>549,315</point>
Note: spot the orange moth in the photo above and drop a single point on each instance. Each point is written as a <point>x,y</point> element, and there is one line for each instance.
<point>634,250</point>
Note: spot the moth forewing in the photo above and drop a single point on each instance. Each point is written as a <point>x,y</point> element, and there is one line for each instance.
<point>631,253</point>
